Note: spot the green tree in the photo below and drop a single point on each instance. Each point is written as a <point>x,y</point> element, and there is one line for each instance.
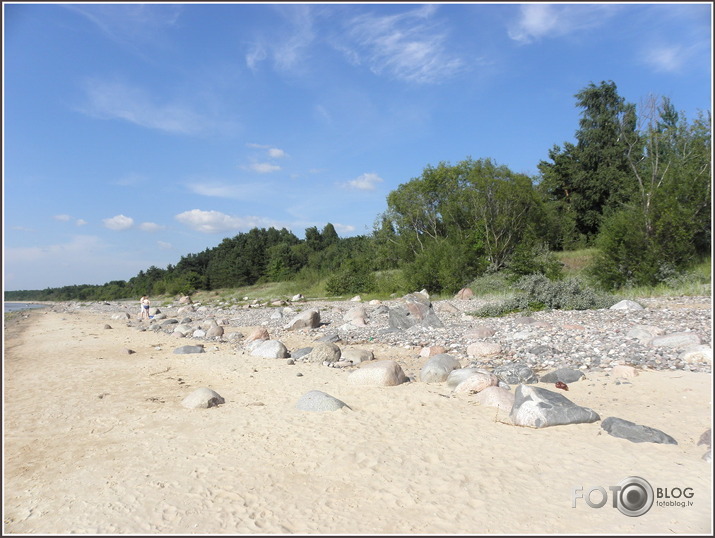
<point>593,176</point>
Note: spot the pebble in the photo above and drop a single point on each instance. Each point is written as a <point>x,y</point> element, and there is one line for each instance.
<point>543,340</point>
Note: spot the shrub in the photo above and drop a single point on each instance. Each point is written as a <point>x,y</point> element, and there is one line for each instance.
<point>539,293</point>
<point>352,277</point>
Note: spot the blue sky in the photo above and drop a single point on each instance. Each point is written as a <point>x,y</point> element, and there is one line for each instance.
<point>134,134</point>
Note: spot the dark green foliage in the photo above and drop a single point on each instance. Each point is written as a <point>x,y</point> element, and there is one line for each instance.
<point>539,293</point>
<point>443,267</point>
<point>353,277</point>
<point>533,257</point>
<point>593,175</point>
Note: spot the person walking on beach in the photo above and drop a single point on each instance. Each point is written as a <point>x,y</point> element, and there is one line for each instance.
<point>145,307</point>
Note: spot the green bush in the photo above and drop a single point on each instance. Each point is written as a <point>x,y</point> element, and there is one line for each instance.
<point>530,258</point>
<point>539,293</point>
<point>352,277</point>
<point>442,267</point>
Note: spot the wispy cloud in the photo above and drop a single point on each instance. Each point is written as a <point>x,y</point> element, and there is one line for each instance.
<point>130,25</point>
<point>287,47</point>
<point>537,21</point>
<point>264,168</point>
<point>408,46</point>
<point>118,223</point>
<point>163,245</point>
<point>343,228</point>
<point>151,227</point>
<point>117,100</point>
<point>67,218</point>
<point>665,58</point>
<point>219,189</point>
<point>364,182</point>
<point>213,222</point>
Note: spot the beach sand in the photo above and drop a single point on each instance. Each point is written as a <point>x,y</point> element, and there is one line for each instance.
<point>96,441</point>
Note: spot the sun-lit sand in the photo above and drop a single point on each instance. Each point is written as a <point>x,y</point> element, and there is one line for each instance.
<point>96,441</point>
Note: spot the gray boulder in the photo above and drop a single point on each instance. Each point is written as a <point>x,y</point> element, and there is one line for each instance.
<point>538,408</point>
<point>318,401</point>
<point>626,305</point>
<point>617,427</point>
<point>356,356</point>
<point>565,375</point>
<point>516,373</point>
<point>324,352</point>
<point>438,368</point>
<point>416,309</point>
<point>215,330</point>
<point>309,319</point>
<point>458,375</point>
<point>299,353</point>
<point>676,340</point>
<point>184,350</point>
<point>270,349</point>
<point>202,398</point>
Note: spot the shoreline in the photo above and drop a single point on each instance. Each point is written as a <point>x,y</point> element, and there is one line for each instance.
<point>87,421</point>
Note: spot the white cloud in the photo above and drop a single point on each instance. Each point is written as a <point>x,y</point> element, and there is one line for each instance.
<point>116,100</point>
<point>130,25</point>
<point>275,153</point>
<point>219,189</point>
<point>211,222</point>
<point>669,59</point>
<point>163,245</point>
<point>264,168</point>
<point>537,21</point>
<point>406,46</point>
<point>80,222</point>
<point>287,46</point>
<point>344,228</point>
<point>364,182</point>
<point>118,222</point>
<point>62,218</point>
<point>151,227</point>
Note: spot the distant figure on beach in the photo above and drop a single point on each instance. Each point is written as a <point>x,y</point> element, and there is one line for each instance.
<point>145,307</point>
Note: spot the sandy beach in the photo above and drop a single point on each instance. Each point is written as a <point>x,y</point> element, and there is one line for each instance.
<point>96,442</point>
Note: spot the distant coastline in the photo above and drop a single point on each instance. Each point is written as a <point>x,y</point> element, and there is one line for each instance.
<point>16,306</point>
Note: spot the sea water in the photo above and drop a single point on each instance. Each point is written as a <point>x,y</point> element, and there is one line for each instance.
<point>14,307</point>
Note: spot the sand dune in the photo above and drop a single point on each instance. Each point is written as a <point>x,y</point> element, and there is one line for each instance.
<point>96,441</point>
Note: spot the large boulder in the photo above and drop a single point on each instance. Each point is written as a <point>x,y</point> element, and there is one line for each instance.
<point>202,398</point>
<point>270,349</point>
<point>538,408</point>
<point>324,352</point>
<point>356,355</point>
<point>476,383</point>
<point>636,433</point>
<point>309,319</point>
<point>385,373</point>
<point>565,375</point>
<point>455,377</point>
<point>484,349</point>
<point>679,340</point>
<point>437,368</point>
<point>415,309</point>
<point>318,401</point>
<point>516,373</point>
<point>495,397</point>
